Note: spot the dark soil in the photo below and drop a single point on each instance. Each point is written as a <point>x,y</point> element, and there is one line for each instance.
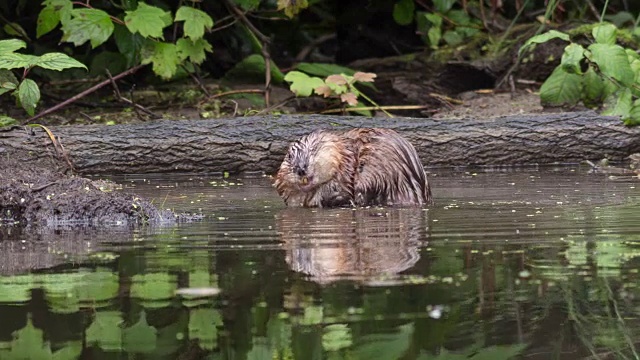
<point>39,194</point>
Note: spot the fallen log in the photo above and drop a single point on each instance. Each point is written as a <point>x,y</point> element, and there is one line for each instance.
<point>259,143</point>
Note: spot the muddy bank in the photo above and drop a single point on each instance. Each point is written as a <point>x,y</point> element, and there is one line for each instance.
<point>37,193</point>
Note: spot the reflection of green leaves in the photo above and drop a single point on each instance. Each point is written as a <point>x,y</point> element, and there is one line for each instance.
<point>385,346</point>
<point>28,343</point>
<point>140,337</point>
<point>313,315</point>
<point>203,326</point>
<point>105,330</point>
<point>336,337</point>
<point>16,289</point>
<point>279,333</point>
<point>154,287</point>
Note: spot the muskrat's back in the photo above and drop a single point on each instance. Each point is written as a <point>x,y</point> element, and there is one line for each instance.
<point>356,167</point>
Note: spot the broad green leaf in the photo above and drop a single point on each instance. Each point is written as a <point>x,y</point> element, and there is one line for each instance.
<point>434,19</point>
<point>247,4</point>
<point>605,33</point>
<point>8,81</point>
<point>561,88</point>
<point>113,61</point>
<point>29,95</point>
<point>452,38</point>
<point>571,58</point>
<point>194,50</point>
<point>87,25</point>
<point>14,29</point>
<point>148,20</point>
<point>11,45</point>
<point>165,59</point>
<point>58,62</point>
<point>195,22</point>
<point>595,88</point>
<point>542,38</point>
<point>434,34</point>
<point>301,83</point>
<point>29,343</point>
<point>63,8</point>
<point>252,68</point>
<point>292,7</point>
<point>443,6</point>
<point>612,61</point>
<point>7,121</point>
<point>48,19</point>
<point>129,44</point>
<point>324,70</point>
<point>385,346</point>
<point>203,326</point>
<point>621,18</point>
<point>633,118</point>
<point>619,103</point>
<point>403,11</point>
<point>15,61</point>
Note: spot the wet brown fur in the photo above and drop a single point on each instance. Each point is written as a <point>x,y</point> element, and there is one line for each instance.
<point>358,167</point>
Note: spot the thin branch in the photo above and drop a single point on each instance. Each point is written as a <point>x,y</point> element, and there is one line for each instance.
<point>137,107</point>
<point>84,93</point>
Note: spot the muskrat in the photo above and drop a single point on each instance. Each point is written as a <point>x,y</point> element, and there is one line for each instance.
<point>359,167</point>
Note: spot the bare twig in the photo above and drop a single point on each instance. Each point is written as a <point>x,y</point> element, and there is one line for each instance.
<point>84,93</point>
<point>137,107</point>
<point>196,77</point>
<point>233,92</point>
<point>312,45</point>
<point>264,48</point>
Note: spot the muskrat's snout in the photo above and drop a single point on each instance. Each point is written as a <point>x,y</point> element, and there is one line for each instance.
<point>300,170</point>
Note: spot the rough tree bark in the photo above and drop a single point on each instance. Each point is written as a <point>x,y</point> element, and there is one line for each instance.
<point>259,143</point>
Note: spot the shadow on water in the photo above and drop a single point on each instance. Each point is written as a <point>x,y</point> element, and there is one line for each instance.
<point>524,263</point>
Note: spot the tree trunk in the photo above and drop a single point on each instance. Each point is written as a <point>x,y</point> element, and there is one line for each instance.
<point>259,143</point>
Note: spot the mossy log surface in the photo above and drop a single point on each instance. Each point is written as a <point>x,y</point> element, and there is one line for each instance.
<point>259,143</point>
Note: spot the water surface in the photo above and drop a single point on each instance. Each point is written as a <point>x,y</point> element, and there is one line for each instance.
<point>524,263</point>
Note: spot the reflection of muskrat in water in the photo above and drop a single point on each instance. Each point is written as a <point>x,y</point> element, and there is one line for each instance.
<point>357,167</point>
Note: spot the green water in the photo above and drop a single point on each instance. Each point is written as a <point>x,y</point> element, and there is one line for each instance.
<point>528,263</point>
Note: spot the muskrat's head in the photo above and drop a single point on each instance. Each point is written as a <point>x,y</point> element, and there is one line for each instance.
<point>311,161</point>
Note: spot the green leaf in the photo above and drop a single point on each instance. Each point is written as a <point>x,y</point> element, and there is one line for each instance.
<point>621,18</point>
<point>434,34</point>
<point>612,61</point>
<point>443,6</point>
<point>7,121</point>
<point>542,38</point>
<point>8,81</point>
<point>87,25</point>
<point>561,88</point>
<point>571,58</point>
<point>62,8</point>
<point>11,45</point>
<point>605,33</point>
<point>15,29</point>
<point>195,22</point>
<point>434,19</point>
<point>324,70</point>
<point>292,7</point>
<point>301,83</point>
<point>403,11</point>
<point>194,50</point>
<point>165,59</point>
<point>148,20</point>
<point>252,68</point>
<point>29,95</point>
<point>595,89</point>
<point>113,61</point>
<point>247,4</point>
<point>48,19</point>
<point>619,103</point>
<point>58,62</point>
<point>385,346</point>
<point>452,38</point>
<point>29,343</point>
<point>633,118</point>
<point>129,44</point>
<point>16,61</point>
<point>336,337</point>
